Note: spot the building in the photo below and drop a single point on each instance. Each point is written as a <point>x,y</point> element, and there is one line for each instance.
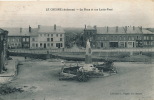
<point>3,49</point>
<point>148,38</point>
<point>18,37</point>
<point>119,37</point>
<point>47,37</point>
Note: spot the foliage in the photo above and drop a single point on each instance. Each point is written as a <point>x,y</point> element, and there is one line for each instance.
<point>73,36</point>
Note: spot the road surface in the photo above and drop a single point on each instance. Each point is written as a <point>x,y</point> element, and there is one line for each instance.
<point>39,80</point>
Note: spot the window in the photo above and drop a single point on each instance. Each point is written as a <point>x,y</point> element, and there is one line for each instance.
<point>48,39</point>
<point>101,44</point>
<point>48,35</point>
<point>129,38</point>
<point>61,45</point>
<point>120,38</point>
<point>51,44</point>
<point>104,38</point>
<point>144,37</point>
<point>48,44</point>
<point>57,35</point>
<point>151,43</point>
<point>57,44</point>
<point>44,34</point>
<point>23,39</point>
<point>51,39</point>
<point>115,37</point>
<point>151,37</point>
<point>61,39</point>
<point>140,38</point>
<point>145,43</point>
<point>51,35</point>
<point>60,35</point>
<point>36,45</point>
<point>124,38</point>
<point>33,45</point>
<point>33,39</point>
<point>40,44</point>
<point>111,37</point>
<point>27,39</point>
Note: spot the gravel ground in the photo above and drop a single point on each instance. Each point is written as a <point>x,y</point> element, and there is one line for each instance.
<point>39,80</point>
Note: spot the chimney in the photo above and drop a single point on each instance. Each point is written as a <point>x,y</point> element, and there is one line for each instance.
<point>116,28</point>
<point>39,26</point>
<point>125,29</point>
<point>133,27</point>
<point>30,29</point>
<point>54,27</point>
<point>85,26</point>
<point>95,27</point>
<point>107,29</point>
<point>141,28</point>
<point>20,30</point>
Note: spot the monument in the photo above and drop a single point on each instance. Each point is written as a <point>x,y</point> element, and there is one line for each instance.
<point>88,59</point>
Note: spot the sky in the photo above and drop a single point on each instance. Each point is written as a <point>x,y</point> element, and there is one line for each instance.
<point>33,13</point>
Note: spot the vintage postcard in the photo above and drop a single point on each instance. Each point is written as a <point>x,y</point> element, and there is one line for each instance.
<point>77,50</point>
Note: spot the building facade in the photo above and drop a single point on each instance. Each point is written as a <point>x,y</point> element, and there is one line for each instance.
<point>18,37</point>
<point>119,37</point>
<point>47,37</point>
<point>3,49</point>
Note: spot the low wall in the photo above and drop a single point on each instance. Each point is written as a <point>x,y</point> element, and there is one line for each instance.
<point>96,56</point>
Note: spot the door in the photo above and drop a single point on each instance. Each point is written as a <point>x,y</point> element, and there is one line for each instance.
<point>44,45</point>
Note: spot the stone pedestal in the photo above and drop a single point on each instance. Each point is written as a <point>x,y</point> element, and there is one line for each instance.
<point>88,59</point>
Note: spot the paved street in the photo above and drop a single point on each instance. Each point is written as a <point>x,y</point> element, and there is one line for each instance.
<point>39,80</point>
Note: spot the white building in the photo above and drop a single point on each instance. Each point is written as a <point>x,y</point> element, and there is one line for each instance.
<point>47,37</point>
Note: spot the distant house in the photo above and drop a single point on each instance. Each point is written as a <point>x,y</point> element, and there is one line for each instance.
<point>18,37</point>
<point>3,49</point>
<point>47,37</point>
<point>118,37</point>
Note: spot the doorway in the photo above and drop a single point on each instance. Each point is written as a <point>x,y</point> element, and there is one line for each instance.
<point>44,45</point>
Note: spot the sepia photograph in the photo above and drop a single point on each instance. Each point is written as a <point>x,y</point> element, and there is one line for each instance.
<point>77,50</point>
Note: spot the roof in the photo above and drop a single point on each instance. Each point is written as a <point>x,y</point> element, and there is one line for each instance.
<point>145,31</point>
<point>110,30</point>
<point>34,32</point>
<point>17,31</point>
<point>121,30</point>
<point>134,30</point>
<point>50,29</point>
<point>2,31</point>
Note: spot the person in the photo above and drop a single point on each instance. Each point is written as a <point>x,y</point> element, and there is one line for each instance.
<point>25,58</point>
